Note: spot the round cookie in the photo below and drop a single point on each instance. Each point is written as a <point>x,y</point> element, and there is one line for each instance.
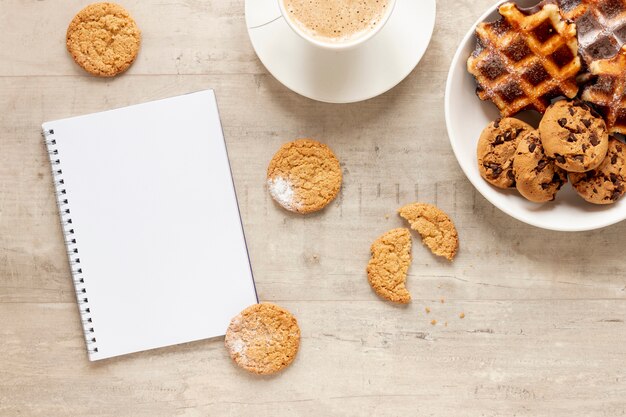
<point>607,183</point>
<point>573,136</point>
<point>304,176</point>
<point>389,264</point>
<point>263,339</point>
<point>434,226</point>
<point>103,39</point>
<point>496,149</point>
<point>537,178</point>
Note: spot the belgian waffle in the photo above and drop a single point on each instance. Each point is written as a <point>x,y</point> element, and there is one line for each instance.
<point>608,91</point>
<point>601,26</point>
<point>525,59</point>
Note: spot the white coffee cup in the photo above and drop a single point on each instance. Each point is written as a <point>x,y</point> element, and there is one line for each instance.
<point>338,45</point>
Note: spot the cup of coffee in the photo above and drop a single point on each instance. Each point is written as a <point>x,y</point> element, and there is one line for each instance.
<point>336,24</point>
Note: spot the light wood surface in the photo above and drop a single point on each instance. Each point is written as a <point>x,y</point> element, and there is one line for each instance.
<point>543,333</point>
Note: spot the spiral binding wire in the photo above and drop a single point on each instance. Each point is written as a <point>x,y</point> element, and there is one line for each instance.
<point>70,241</point>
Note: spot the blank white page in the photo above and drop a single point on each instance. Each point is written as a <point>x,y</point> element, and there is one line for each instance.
<point>157,227</point>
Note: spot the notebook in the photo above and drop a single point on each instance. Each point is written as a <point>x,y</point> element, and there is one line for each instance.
<point>151,224</point>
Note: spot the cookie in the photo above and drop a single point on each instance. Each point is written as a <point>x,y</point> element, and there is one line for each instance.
<point>103,39</point>
<point>304,176</point>
<point>537,178</point>
<point>574,136</point>
<point>496,149</point>
<point>435,227</point>
<point>389,264</point>
<point>263,338</point>
<point>607,183</point>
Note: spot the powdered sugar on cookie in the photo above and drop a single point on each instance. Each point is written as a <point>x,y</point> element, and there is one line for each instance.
<point>237,346</point>
<point>283,193</point>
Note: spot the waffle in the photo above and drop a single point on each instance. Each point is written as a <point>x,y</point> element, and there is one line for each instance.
<point>608,91</point>
<point>601,26</point>
<point>525,59</point>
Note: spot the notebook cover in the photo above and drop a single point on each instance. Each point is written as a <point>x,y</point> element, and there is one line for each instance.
<point>151,222</point>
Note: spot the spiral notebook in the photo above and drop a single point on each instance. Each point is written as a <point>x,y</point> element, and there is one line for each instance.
<point>151,224</point>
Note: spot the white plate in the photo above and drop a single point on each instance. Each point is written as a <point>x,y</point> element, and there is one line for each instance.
<point>348,76</point>
<point>467,116</point>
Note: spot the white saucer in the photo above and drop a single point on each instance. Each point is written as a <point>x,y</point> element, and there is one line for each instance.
<point>348,76</point>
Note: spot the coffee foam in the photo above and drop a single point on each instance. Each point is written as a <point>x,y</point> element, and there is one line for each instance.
<point>336,20</point>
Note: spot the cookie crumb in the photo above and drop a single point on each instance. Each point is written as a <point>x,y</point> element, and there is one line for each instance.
<point>446,324</point>
<point>442,301</point>
<point>387,216</point>
<point>427,310</point>
<point>433,322</point>
<point>462,315</point>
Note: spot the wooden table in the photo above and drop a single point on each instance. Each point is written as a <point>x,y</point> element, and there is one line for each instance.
<point>543,332</point>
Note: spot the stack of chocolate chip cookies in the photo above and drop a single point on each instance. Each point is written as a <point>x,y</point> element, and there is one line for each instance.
<point>571,141</point>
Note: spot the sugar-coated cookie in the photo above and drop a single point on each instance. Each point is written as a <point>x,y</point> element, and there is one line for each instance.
<point>607,183</point>
<point>435,227</point>
<point>537,178</point>
<point>389,264</point>
<point>304,176</point>
<point>263,339</point>
<point>103,39</point>
<point>496,149</point>
<point>572,135</point>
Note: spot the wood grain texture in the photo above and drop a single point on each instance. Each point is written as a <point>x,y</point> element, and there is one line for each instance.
<point>544,331</point>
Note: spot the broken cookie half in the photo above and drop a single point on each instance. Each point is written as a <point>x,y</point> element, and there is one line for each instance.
<point>435,227</point>
<point>389,264</point>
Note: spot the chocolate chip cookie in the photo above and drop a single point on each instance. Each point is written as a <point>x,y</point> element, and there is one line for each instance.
<point>496,148</point>
<point>537,178</point>
<point>607,183</point>
<point>574,136</point>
